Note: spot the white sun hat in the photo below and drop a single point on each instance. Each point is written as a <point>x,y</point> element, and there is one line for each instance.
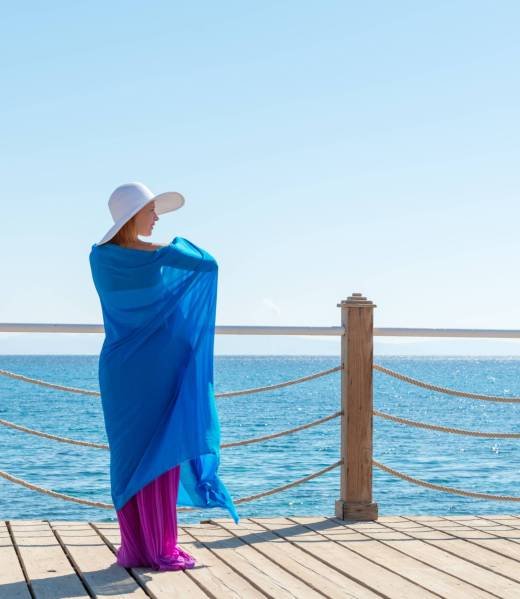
<point>126,201</point>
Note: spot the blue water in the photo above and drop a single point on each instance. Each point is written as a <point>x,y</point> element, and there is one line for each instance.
<point>486,465</point>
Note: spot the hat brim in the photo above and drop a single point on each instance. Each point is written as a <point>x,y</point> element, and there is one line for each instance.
<point>168,201</point>
<point>164,202</point>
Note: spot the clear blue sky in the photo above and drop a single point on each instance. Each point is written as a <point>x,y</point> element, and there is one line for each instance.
<point>322,147</point>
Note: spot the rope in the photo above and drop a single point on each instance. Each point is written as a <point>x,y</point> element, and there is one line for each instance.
<point>27,379</point>
<point>286,432</point>
<point>28,485</point>
<point>377,464</point>
<point>309,377</point>
<point>393,373</point>
<point>301,427</point>
<point>446,429</point>
<point>109,506</point>
<point>226,394</point>
<point>428,485</point>
<point>409,379</point>
<point>289,485</point>
<point>31,431</point>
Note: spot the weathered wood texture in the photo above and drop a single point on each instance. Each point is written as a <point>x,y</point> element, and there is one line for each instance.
<point>294,557</point>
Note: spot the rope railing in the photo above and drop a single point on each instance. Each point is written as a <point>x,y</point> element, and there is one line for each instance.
<point>384,415</point>
<point>356,343</point>
<point>446,390</point>
<point>32,487</point>
<point>274,490</point>
<point>446,489</point>
<point>32,431</point>
<point>301,427</point>
<point>309,377</point>
<point>303,379</point>
<point>104,446</point>
<point>294,483</point>
<point>446,429</point>
<point>380,414</point>
<point>21,377</point>
<point>109,506</point>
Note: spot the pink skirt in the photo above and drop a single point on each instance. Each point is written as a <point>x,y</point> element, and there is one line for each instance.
<point>148,525</point>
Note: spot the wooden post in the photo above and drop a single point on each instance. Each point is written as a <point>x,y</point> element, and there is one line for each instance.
<point>357,353</point>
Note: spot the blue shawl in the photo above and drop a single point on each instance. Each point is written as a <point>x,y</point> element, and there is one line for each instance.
<point>156,369</point>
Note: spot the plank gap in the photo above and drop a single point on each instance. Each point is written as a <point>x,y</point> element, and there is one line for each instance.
<point>112,548</point>
<point>365,557</point>
<point>20,560</point>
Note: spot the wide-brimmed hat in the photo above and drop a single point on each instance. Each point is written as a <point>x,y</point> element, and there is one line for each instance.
<point>126,201</point>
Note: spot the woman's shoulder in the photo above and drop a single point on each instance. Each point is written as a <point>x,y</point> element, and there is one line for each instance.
<point>145,246</point>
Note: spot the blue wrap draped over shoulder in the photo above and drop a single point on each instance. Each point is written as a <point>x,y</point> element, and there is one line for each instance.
<point>156,369</point>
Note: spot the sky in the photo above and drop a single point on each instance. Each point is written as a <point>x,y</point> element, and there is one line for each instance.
<point>323,148</point>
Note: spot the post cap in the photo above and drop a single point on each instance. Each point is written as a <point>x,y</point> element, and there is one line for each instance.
<point>358,300</point>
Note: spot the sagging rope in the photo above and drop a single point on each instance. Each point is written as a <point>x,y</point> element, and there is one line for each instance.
<point>294,483</point>
<point>446,429</point>
<point>377,464</point>
<point>385,415</point>
<point>301,427</point>
<point>428,485</point>
<point>109,506</point>
<point>303,379</point>
<point>409,379</point>
<point>298,481</point>
<point>28,485</point>
<point>224,394</point>
<point>32,431</point>
<point>400,420</point>
<point>27,379</point>
<point>310,377</point>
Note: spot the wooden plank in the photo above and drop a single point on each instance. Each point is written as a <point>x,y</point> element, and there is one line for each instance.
<point>513,521</point>
<point>167,584</point>
<point>451,541</point>
<point>95,562</point>
<point>383,519</point>
<point>216,577</point>
<point>48,569</point>
<point>515,517</point>
<point>422,546</point>
<point>413,556</point>
<point>12,579</point>
<point>504,531</point>
<point>313,571</point>
<point>363,571</point>
<point>455,523</point>
<point>252,565</point>
<point>211,573</point>
<point>495,537</point>
<point>388,556</point>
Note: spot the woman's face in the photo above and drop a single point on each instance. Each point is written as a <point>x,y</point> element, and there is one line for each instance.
<point>145,219</point>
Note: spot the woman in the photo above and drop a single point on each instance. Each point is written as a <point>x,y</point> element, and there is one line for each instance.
<point>156,378</point>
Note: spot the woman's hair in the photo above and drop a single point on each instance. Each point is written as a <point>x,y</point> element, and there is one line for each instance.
<point>127,233</point>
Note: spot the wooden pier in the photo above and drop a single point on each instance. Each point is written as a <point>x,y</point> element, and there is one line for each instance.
<point>467,557</point>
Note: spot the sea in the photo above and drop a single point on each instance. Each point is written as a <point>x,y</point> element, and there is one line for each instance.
<point>469,463</point>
